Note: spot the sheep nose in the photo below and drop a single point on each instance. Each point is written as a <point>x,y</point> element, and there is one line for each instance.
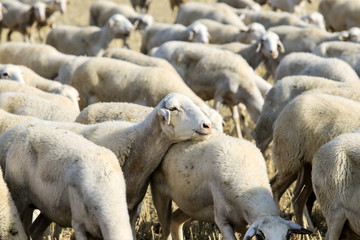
<point>207,126</point>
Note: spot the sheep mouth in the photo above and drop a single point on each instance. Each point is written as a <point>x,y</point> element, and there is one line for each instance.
<point>203,135</point>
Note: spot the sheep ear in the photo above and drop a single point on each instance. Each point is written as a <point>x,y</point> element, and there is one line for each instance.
<point>250,232</point>
<point>191,35</point>
<point>258,46</point>
<point>297,229</point>
<point>281,47</point>
<point>165,115</point>
<point>344,36</point>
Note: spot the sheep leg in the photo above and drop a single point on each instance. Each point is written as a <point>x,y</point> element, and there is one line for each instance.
<point>163,208</point>
<point>38,227</point>
<point>279,184</point>
<point>335,220</point>
<point>178,218</point>
<point>236,118</point>
<point>302,191</point>
<point>9,35</point>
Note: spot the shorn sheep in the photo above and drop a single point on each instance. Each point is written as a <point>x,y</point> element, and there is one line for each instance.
<point>31,105</point>
<point>12,86</point>
<point>176,118</point>
<point>86,191</point>
<point>159,33</point>
<point>336,184</point>
<point>299,63</point>
<point>90,40</point>
<point>11,227</point>
<point>101,11</point>
<point>304,125</point>
<point>222,153</point>
<point>27,76</point>
<point>280,95</point>
<point>122,81</point>
<point>230,81</point>
<point>286,5</point>
<point>43,59</point>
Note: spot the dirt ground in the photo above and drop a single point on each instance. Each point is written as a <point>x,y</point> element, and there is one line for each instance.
<point>148,226</point>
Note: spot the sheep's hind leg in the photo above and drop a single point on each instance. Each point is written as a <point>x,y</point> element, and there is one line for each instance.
<point>236,118</point>
<point>178,218</point>
<point>38,227</point>
<point>279,184</point>
<point>335,220</point>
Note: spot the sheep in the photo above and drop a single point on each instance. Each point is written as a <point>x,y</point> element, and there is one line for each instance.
<point>249,4</point>
<point>191,11</point>
<point>334,178</point>
<point>298,63</point>
<point>43,59</point>
<point>285,5</point>
<point>226,33</point>
<point>110,80</point>
<point>27,76</point>
<point>9,120</point>
<point>101,11</point>
<point>303,126</point>
<point>12,86</point>
<point>54,8</point>
<point>221,151</point>
<point>93,195</point>
<point>11,227</point>
<point>90,40</point>
<point>340,15</point>
<point>176,118</point>
<point>176,3</point>
<point>280,95</point>
<point>230,81</point>
<point>158,33</point>
<point>353,35</point>
<point>31,105</point>
<point>271,19</point>
<point>315,18</point>
<point>347,51</point>
<point>68,68</point>
<point>136,57</point>
<point>20,17</point>
<point>106,111</point>
<point>143,5</point>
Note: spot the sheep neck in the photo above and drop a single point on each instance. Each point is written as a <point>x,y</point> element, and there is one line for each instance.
<point>251,55</point>
<point>105,36</point>
<point>145,155</point>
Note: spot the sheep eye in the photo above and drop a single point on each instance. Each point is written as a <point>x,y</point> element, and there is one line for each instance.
<point>174,109</point>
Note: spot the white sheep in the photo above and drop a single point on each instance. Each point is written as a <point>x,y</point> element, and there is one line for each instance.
<point>280,95</point>
<point>135,57</point>
<point>315,18</point>
<point>347,51</point>
<point>303,126</point>
<point>185,161</point>
<point>89,183</point>
<point>11,227</point>
<point>20,17</point>
<point>176,118</point>
<point>340,15</point>
<point>121,81</point>
<point>227,33</point>
<point>249,4</point>
<point>101,11</point>
<point>335,181</point>
<point>285,5</point>
<point>43,59</point>
<point>230,81</point>
<point>159,33</point>
<point>352,34</point>
<point>9,120</point>
<point>67,69</point>
<point>25,75</point>
<point>299,63</point>
<point>89,40</point>
<point>31,105</point>
<point>221,12</point>
<point>12,86</point>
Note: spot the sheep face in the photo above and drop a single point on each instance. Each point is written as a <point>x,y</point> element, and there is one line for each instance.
<point>143,21</point>
<point>198,32</point>
<point>270,45</point>
<point>353,35</point>
<point>12,72</point>
<point>253,34</point>
<point>39,11</point>
<point>181,119</point>
<point>274,228</point>
<point>120,26</point>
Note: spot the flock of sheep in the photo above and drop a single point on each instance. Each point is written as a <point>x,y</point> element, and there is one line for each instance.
<point>86,128</point>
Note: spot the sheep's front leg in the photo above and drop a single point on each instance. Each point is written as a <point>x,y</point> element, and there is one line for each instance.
<point>335,220</point>
<point>178,218</point>
<point>38,227</point>
<point>236,118</point>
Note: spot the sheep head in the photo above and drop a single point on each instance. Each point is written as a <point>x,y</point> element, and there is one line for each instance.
<point>274,228</point>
